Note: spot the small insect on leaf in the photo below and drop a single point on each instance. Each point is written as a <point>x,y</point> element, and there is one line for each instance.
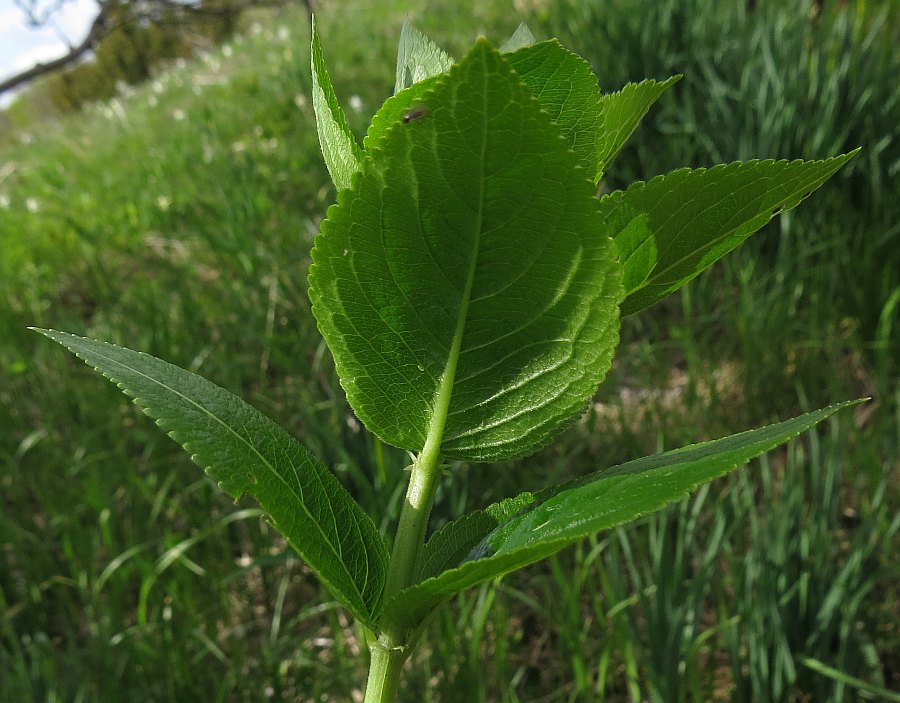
<point>415,113</point>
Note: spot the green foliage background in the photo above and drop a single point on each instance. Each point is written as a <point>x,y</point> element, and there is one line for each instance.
<point>178,220</point>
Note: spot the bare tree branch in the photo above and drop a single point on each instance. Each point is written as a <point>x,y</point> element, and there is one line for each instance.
<point>103,25</point>
<point>33,17</point>
<point>98,30</point>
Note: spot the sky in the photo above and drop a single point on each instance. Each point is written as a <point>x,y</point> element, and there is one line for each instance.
<point>22,46</point>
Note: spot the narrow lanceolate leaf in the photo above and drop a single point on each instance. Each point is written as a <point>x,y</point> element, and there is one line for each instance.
<point>464,284</point>
<point>339,147</point>
<point>418,58</point>
<point>670,229</point>
<point>521,38</point>
<point>620,114</point>
<point>559,516</point>
<point>245,452</point>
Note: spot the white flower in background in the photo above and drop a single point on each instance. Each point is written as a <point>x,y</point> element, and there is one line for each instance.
<point>238,147</point>
<point>32,204</point>
<point>300,101</point>
<point>124,89</point>
<point>116,109</point>
<point>8,169</point>
<point>212,62</point>
<point>227,51</point>
<point>152,101</point>
<point>284,33</point>
<point>180,63</point>
<point>356,103</point>
<point>178,114</point>
<point>158,85</point>
<point>4,201</point>
<point>26,138</point>
<point>163,201</point>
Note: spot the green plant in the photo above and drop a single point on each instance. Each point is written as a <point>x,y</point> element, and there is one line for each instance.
<point>469,284</point>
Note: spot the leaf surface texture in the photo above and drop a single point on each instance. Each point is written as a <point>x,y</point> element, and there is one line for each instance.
<point>673,227</point>
<point>468,267</point>
<point>245,452</point>
<point>340,149</point>
<point>500,542</point>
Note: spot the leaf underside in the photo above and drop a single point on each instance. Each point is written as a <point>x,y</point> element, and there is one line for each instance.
<point>468,249</point>
<point>418,58</point>
<point>519,39</point>
<point>574,102</point>
<point>340,149</point>
<point>520,531</point>
<point>245,452</point>
<point>567,90</point>
<point>673,227</point>
<point>620,114</point>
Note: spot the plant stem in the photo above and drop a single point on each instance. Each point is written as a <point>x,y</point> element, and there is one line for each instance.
<point>390,650</point>
<point>410,538</point>
<point>384,672</point>
<point>393,645</point>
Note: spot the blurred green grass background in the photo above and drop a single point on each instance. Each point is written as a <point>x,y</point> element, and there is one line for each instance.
<point>177,219</point>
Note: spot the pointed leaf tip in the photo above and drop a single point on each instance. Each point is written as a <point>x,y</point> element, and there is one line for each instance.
<point>340,149</point>
<point>521,531</point>
<point>418,58</point>
<point>670,229</point>
<point>245,452</point>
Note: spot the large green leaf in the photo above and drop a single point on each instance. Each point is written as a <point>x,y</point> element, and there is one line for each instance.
<point>339,147</point>
<point>670,229</point>
<point>504,537</point>
<point>620,114</point>
<point>464,283</point>
<point>245,452</point>
<point>418,58</point>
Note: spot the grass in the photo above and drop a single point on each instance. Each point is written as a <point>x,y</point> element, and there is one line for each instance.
<point>178,220</point>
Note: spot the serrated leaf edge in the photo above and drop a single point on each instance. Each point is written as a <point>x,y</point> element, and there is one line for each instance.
<point>59,337</point>
<point>551,546</point>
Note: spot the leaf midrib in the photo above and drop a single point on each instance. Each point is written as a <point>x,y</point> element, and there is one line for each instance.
<point>203,410</point>
<point>444,393</point>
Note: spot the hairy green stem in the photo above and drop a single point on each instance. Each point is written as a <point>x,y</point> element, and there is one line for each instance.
<point>393,645</point>
<point>384,673</point>
<point>390,649</point>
